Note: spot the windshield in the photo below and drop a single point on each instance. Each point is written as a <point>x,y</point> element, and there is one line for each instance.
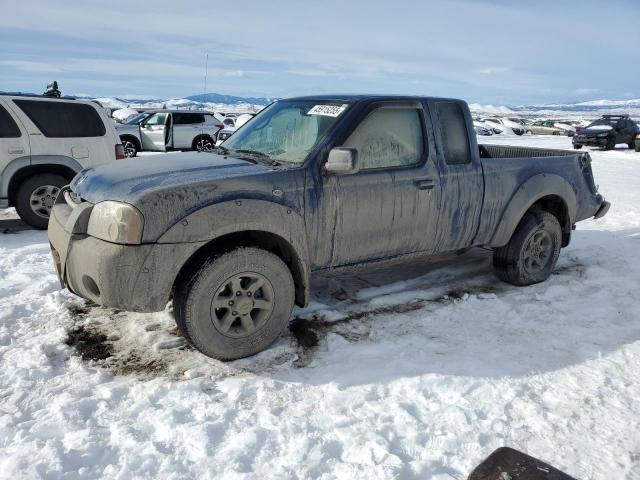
<point>287,130</point>
<point>604,122</point>
<point>137,119</point>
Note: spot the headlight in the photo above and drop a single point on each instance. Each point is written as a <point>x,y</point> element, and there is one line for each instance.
<point>116,222</point>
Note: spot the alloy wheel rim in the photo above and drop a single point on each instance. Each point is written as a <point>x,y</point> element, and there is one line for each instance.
<point>205,146</point>
<point>242,305</point>
<point>129,149</point>
<point>42,200</point>
<point>538,252</point>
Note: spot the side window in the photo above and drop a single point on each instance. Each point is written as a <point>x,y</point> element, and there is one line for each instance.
<point>8,127</point>
<point>388,137</point>
<point>58,119</point>
<point>196,118</point>
<point>157,119</point>
<point>187,118</point>
<point>453,131</point>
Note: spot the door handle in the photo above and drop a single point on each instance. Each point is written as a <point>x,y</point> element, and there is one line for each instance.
<point>427,184</point>
<point>16,151</point>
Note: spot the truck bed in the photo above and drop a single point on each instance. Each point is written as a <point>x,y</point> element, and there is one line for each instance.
<point>506,168</point>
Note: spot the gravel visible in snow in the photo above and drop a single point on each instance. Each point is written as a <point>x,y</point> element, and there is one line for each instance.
<point>414,370</point>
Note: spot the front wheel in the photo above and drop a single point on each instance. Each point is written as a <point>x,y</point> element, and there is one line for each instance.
<point>611,144</point>
<point>236,304</point>
<point>532,252</point>
<point>36,196</point>
<point>130,148</point>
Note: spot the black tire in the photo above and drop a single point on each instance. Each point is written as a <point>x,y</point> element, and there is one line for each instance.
<point>631,144</point>
<point>637,146</point>
<point>220,333</point>
<point>203,144</point>
<point>577,147</point>
<point>36,196</point>
<point>512,263</point>
<point>611,144</point>
<point>131,147</point>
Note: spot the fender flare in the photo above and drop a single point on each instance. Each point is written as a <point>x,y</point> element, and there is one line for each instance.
<point>532,190</point>
<point>245,215</point>
<point>19,163</point>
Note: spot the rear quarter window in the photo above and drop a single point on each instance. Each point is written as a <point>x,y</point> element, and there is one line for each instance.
<point>8,127</point>
<point>63,119</point>
<point>453,132</point>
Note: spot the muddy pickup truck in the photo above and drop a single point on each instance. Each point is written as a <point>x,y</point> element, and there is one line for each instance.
<point>312,183</point>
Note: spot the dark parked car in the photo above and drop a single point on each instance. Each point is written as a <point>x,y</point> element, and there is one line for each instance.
<point>607,132</point>
<point>310,184</point>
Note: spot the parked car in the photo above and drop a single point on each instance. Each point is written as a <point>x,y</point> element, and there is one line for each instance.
<point>505,125</point>
<point>567,129</point>
<point>166,130</point>
<point>44,142</point>
<point>607,132</point>
<point>482,128</point>
<point>228,131</point>
<point>310,184</point>
<point>544,127</point>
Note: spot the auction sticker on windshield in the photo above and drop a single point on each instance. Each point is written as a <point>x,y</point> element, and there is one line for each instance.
<point>328,110</point>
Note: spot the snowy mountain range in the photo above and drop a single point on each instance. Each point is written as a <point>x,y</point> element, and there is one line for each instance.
<point>217,101</point>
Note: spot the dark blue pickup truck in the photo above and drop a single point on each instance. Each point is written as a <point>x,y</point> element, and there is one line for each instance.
<point>310,183</point>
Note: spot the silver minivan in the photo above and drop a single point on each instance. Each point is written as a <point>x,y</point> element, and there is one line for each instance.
<point>44,142</point>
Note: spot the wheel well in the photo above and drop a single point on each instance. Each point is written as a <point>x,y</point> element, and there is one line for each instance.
<point>558,208</point>
<point>26,172</point>
<point>198,137</point>
<point>131,138</point>
<point>252,238</point>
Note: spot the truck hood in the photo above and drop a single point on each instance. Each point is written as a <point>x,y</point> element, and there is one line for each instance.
<point>129,180</point>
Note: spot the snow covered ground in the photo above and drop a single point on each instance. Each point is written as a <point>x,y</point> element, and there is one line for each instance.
<point>418,371</point>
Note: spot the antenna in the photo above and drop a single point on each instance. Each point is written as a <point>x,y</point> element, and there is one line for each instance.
<point>206,70</point>
<point>204,94</point>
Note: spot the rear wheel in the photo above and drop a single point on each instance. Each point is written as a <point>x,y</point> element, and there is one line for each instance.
<point>577,146</point>
<point>236,304</point>
<point>36,196</point>
<point>631,144</point>
<point>532,252</point>
<point>203,144</point>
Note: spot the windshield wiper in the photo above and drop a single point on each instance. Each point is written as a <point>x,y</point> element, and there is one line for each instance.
<point>256,155</point>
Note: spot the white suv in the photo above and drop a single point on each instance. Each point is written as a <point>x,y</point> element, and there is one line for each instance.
<point>165,130</point>
<point>44,142</point>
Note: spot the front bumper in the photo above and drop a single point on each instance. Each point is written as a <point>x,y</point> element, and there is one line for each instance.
<point>127,277</point>
<point>591,141</point>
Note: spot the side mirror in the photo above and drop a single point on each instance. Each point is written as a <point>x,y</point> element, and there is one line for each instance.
<point>342,161</point>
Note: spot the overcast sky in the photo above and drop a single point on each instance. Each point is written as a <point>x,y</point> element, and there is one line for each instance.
<point>489,51</point>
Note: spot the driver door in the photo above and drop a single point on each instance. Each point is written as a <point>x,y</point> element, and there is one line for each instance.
<point>153,132</point>
<point>390,207</point>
